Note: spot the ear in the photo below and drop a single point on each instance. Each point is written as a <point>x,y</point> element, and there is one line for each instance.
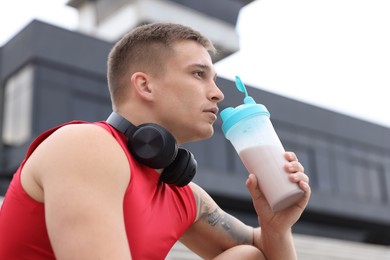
<point>140,81</point>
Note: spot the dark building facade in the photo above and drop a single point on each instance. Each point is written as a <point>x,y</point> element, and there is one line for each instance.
<point>49,76</point>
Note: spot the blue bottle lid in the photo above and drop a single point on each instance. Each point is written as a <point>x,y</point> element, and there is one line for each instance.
<point>230,116</point>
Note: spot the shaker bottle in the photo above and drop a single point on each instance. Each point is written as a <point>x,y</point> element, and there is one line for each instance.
<point>248,127</point>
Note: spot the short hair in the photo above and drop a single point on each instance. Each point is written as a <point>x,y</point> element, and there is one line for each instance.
<point>145,49</point>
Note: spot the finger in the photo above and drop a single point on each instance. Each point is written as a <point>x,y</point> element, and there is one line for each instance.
<point>303,182</point>
<point>298,177</point>
<point>252,185</point>
<point>294,166</point>
<point>290,156</point>
<point>259,201</point>
<point>306,188</point>
<point>254,188</point>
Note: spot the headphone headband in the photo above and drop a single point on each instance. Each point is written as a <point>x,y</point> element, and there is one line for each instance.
<point>121,124</point>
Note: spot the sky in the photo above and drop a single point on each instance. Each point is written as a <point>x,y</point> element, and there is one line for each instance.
<point>16,14</point>
<point>333,54</point>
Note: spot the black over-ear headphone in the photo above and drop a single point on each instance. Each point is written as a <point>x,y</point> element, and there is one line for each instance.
<point>153,146</point>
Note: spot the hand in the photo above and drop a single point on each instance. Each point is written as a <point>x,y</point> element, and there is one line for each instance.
<point>281,221</point>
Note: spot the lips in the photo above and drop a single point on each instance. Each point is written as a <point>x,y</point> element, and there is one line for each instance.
<point>213,110</point>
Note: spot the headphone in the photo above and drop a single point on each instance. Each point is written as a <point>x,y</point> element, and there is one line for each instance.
<point>155,147</point>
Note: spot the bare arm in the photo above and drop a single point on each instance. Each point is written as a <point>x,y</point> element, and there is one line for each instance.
<point>83,174</point>
<point>214,231</point>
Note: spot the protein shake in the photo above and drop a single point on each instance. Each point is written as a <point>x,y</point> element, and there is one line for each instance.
<point>249,129</point>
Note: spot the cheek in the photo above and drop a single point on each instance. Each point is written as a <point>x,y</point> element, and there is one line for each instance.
<point>185,101</point>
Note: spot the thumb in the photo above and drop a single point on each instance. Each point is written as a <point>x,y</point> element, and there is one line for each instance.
<point>259,201</point>
<point>253,186</point>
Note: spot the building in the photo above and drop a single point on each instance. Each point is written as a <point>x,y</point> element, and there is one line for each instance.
<point>49,75</point>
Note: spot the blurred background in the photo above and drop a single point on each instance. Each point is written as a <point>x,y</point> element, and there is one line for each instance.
<point>320,67</point>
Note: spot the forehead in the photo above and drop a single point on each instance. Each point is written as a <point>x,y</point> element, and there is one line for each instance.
<point>191,52</point>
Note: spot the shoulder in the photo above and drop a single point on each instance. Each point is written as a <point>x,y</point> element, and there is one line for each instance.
<point>80,138</point>
<point>80,132</point>
<point>81,141</point>
<point>80,151</point>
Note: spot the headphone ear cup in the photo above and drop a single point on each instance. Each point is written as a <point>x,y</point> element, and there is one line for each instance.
<point>153,146</point>
<point>182,170</point>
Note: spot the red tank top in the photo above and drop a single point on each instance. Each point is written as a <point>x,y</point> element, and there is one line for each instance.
<point>156,214</point>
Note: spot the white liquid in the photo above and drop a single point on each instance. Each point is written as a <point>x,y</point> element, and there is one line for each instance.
<point>267,163</point>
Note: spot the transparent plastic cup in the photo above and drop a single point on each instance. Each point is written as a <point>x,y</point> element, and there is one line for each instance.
<point>248,127</point>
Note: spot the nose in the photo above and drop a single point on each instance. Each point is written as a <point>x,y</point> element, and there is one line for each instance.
<point>216,93</point>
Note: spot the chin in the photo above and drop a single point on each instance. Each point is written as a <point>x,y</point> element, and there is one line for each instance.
<point>208,134</point>
<point>200,136</point>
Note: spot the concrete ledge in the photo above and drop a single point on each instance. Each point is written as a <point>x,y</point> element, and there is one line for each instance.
<point>312,248</point>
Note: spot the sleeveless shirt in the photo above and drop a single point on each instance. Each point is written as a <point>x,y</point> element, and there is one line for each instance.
<point>156,214</point>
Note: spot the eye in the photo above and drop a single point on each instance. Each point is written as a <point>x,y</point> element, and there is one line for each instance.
<point>199,73</point>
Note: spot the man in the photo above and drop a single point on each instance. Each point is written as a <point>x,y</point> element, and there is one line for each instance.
<point>83,193</point>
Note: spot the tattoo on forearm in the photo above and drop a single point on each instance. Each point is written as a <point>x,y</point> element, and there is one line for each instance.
<point>226,225</point>
<point>213,218</point>
<point>216,218</point>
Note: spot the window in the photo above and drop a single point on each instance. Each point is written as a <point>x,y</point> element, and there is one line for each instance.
<point>17,120</point>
